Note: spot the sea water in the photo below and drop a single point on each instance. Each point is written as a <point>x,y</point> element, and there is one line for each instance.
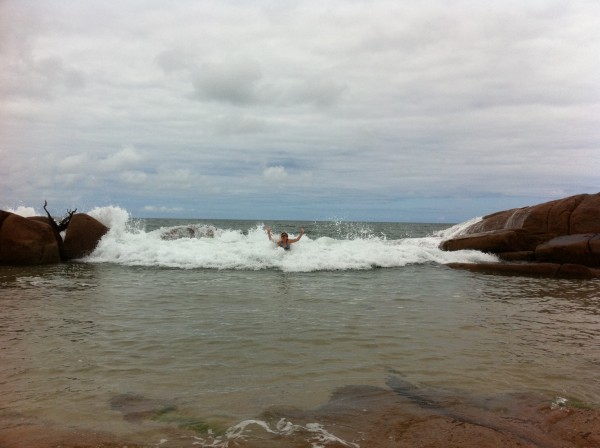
<point>175,321</point>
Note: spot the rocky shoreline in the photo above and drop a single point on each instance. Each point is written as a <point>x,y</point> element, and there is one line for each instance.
<point>355,416</point>
<point>37,240</point>
<point>558,239</point>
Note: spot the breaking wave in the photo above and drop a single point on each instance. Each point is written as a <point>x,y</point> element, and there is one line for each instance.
<point>195,246</point>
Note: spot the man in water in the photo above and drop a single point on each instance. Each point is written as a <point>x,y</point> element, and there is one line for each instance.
<point>285,241</point>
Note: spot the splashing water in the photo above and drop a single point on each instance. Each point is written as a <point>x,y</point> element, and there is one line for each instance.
<point>332,246</point>
<point>313,433</point>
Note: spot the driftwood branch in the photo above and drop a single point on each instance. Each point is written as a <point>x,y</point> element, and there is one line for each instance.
<point>61,225</point>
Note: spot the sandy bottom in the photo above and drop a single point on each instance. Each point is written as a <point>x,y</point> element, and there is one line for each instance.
<point>356,416</point>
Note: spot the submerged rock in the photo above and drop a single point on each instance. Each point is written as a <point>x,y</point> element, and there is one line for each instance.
<point>554,270</point>
<point>190,231</point>
<point>407,415</point>
<point>399,415</point>
<point>136,408</point>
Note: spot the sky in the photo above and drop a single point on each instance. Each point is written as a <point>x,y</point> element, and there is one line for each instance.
<point>408,111</point>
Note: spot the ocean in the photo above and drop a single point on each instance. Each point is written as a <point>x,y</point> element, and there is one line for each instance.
<point>203,333</point>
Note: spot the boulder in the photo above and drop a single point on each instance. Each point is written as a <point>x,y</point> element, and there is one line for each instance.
<point>525,255</point>
<point>560,213</point>
<point>498,241</point>
<point>586,217</point>
<point>577,249</point>
<point>496,221</point>
<point>26,241</point>
<point>564,231</point>
<point>57,236</point>
<point>3,216</point>
<point>552,217</point>
<point>574,214</point>
<point>83,235</point>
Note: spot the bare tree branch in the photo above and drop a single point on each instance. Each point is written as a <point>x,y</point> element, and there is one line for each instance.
<point>64,222</point>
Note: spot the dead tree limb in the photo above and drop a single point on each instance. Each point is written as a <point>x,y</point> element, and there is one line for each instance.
<point>52,221</point>
<point>64,223</point>
<point>61,225</point>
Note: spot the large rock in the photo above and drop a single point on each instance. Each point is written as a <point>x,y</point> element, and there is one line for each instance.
<point>83,235</point>
<point>26,241</point>
<point>59,240</point>
<point>578,249</point>
<point>586,216</point>
<point>35,240</point>
<point>495,241</point>
<point>536,231</point>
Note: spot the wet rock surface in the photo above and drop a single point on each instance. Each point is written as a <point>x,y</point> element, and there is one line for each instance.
<point>35,241</point>
<point>401,414</point>
<point>562,232</point>
<point>26,241</point>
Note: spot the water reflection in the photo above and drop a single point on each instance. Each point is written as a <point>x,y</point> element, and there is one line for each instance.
<point>235,341</point>
<point>58,277</point>
<point>561,294</point>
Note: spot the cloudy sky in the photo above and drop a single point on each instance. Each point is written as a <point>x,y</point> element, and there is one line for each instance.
<point>426,110</point>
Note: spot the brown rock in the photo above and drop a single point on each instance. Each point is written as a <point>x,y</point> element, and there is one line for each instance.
<point>577,249</point>
<point>505,240</point>
<point>565,231</point>
<point>577,271</point>
<point>559,216</point>
<point>83,235</point>
<point>552,217</point>
<point>26,242</point>
<point>595,247</point>
<point>524,255</point>
<point>59,240</point>
<point>43,219</point>
<point>586,217</point>
<point>371,417</point>
<point>495,221</point>
<point>3,216</point>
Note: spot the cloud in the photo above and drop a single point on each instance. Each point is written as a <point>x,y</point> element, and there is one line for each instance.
<point>234,124</point>
<point>235,82</point>
<point>74,163</point>
<point>320,92</point>
<point>275,173</point>
<point>174,178</point>
<point>349,103</point>
<point>43,79</point>
<point>134,177</point>
<point>126,158</point>
<point>26,212</point>
<point>173,60</point>
<point>162,209</point>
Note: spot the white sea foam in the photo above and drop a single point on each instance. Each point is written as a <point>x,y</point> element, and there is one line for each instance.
<point>113,217</point>
<point>200,246</point>
<point>457,229</point>
<point>313,433</point>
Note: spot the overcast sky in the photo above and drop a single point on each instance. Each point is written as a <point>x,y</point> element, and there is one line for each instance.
<point>431,111</point>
